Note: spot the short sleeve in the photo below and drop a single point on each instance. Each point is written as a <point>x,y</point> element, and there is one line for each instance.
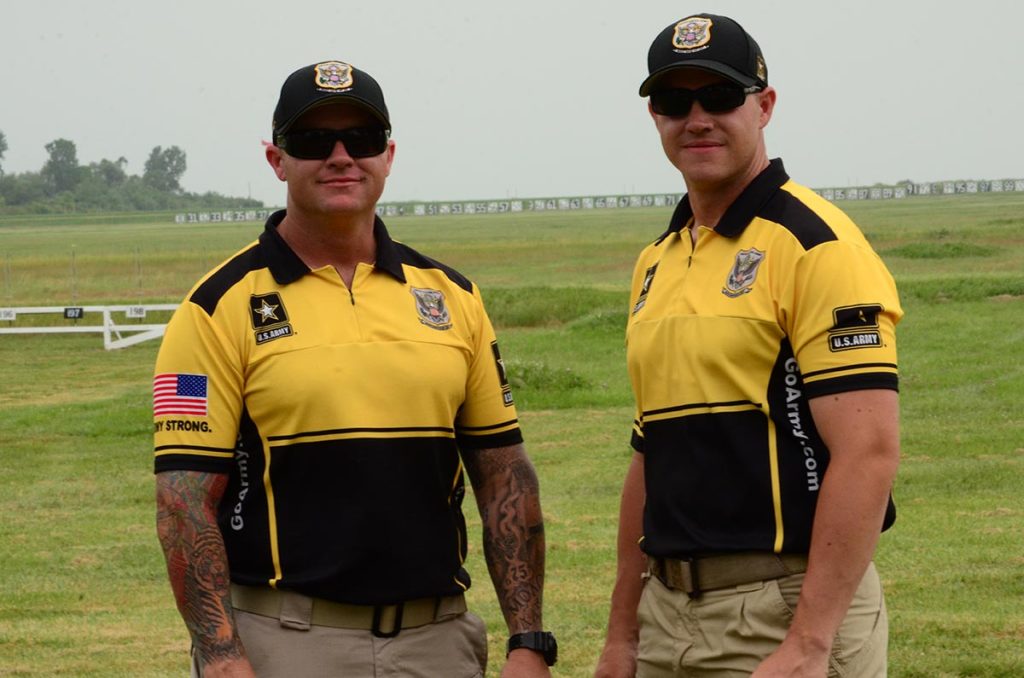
<point>488,415</point>
<point>842,322</point>
<point>197,399</point>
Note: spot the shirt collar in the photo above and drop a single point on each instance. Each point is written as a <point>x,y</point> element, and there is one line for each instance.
<point>743,210</point>
<point>286,266</point>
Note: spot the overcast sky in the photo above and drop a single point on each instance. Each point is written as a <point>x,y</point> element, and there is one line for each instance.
<point>526,99</point>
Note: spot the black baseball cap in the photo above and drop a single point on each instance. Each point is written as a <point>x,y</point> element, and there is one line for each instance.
<point>709,42</point>
<point>327,82</point>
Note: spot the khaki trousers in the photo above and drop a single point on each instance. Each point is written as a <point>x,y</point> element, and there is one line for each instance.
<point>728,632</point>
<point>455,647</point>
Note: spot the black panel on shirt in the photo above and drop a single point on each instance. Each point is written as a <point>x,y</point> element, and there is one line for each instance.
<point>398,558</point>
<point>802,455</point>
<point>411,257</point>
<point>189,461</point>
<point>706,489</point>
<point>854,382</point>
<point>208,294</point>
<point>243,508</point>
<point>797,218</point>
<point>479,440</point>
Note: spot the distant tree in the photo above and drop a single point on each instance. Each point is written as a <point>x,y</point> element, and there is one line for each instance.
<point>112,172</point>
<point>3,149</point>
<point>65,186</point>
<point>22,188</point>
<point>61,171</point>
<point>164,168</point>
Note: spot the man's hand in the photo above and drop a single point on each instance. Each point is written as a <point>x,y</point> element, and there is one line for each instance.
<point>791,660</point>
<point>618,660</point>
<point>523,663</point>
<point>232,668</point>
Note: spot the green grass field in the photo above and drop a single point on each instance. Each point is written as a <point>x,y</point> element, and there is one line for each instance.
<point>84,591</point>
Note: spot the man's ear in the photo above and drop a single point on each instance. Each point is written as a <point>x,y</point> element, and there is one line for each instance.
<point>391,156</point>
<point>767,104</point>
<point>275,157</point>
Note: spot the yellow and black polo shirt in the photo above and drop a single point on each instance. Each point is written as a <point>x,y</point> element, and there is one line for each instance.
<point>727,341</point>
<point>338,415</point>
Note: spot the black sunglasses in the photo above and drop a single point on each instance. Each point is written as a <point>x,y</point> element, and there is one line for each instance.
<point>717,98</point>
<point>317,144</point>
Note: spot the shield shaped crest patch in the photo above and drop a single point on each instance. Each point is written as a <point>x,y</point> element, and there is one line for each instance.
<point>431,308</point>
<point>743,273</point>
<point>692,33</point>
<point>333,75</point>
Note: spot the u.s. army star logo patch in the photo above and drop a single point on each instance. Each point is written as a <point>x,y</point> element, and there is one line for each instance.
<point>269,318</point>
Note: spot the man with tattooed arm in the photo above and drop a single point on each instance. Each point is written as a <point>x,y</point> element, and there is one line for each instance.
<point>317,399</point>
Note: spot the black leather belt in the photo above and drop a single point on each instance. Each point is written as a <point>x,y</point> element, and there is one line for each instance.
<point>708,573</point>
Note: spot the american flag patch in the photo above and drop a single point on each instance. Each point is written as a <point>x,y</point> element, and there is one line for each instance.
<point>179,394</point>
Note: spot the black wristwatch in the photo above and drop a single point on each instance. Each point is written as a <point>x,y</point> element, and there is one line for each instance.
<point>538,641</point>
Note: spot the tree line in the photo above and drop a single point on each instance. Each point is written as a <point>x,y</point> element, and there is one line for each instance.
<point>64,185</point>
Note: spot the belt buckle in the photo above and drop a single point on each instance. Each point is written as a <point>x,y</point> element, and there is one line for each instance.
<point>678,574</point>
<point>395,629</point>
<point>691,580</point>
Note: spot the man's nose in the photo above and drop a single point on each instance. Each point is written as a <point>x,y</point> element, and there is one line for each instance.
<point>339,154</point>
<point>698,118</point>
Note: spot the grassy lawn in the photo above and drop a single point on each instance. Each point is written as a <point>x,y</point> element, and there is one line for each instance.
<point>84,591</point>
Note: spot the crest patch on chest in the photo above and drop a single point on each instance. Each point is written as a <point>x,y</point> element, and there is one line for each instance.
<point>431,308</point>
<point>744,272</point>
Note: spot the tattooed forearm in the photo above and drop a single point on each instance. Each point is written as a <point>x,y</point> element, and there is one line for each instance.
<point>508,496</point>
<point>196,560</point>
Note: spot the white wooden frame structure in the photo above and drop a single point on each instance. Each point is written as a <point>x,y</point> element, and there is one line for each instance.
<point>115,335</point>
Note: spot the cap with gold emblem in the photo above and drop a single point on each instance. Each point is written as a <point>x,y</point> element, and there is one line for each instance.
<point>708,42</point>
<point>327,82</point>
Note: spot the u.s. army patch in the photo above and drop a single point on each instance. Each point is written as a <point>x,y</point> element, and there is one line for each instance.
<point>269,318</point>
<point>855,327</point>
<point>645,289</point>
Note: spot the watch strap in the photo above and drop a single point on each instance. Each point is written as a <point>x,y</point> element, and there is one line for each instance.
<point>538,641</point>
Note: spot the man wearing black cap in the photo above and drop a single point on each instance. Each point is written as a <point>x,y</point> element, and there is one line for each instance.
<point>316,398</point>
<point>762,354</point>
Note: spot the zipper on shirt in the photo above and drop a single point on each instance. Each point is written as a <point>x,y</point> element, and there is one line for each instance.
<point>693,245</point>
